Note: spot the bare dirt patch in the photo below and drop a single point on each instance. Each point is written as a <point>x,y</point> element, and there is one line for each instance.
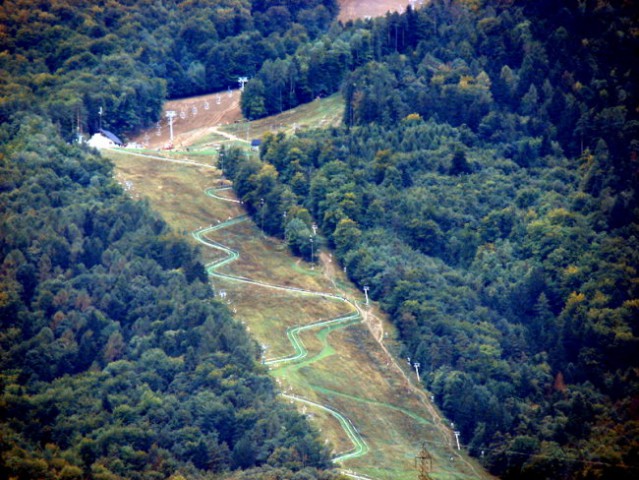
<point>195,117</point>
<point>354,9</point>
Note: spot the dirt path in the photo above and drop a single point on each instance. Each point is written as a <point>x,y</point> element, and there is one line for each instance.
<point>328,267</point>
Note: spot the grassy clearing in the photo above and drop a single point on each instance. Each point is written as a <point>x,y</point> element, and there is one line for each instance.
<point>207,141</point>
<point>389,416</point>
<point>204,151</point>
<point>346,368</point>
<point>267,259</point>
<point>176,191</point>
<point>321,113</point>
<point>269,314</point>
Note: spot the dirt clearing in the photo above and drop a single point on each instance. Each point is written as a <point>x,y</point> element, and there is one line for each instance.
<point>194,117</point>
<point>353,9</point>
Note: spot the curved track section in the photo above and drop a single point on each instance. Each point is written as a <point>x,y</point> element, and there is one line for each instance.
<point>360,446</point>
<point>293,335</point>
<point>212,192</point>
<point>300,352</point>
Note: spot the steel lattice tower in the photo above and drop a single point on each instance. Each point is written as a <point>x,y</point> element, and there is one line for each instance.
<point>424,464</point>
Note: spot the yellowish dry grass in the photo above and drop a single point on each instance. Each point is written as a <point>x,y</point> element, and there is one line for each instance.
<point>321,113</point>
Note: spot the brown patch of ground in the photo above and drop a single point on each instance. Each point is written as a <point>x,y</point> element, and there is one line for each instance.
<point>328,267</point>
<point>195,118</point>
<point>354,9</point>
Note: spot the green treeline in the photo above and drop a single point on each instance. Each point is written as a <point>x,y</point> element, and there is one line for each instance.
<point>484,186</point>
<point>71,58</point>
<point>116,360</point>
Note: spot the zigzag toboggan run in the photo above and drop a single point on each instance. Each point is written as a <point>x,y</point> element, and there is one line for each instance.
<point>300,352</point>
<point>330,357</point>
<point>299,356</point>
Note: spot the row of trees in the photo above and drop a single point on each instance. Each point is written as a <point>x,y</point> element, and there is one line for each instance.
<point>116,360</point>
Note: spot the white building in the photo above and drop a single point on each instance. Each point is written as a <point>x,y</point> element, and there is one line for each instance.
<point>104,139</point>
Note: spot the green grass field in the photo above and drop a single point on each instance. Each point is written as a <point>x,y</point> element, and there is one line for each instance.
<point>346,368</point>
<point>321,113</point>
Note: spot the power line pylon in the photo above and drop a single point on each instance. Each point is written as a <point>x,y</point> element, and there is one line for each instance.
<point>424,464</point>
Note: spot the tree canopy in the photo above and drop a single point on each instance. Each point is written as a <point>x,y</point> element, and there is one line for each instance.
<point>483,184</point>
<point>116,360</point>
<point>74,58</point>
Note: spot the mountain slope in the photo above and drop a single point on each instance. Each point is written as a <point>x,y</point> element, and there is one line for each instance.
<point>115,359</point>
<point>343,366</point>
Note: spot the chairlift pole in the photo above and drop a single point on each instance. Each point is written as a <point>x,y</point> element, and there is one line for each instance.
<point>312,254</point>
<point>171,115</point>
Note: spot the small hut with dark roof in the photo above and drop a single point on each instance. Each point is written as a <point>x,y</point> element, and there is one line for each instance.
<point>105,139</point>
<point>111,136</point>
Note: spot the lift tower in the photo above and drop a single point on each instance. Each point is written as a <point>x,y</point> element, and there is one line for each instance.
<point>424,464</point>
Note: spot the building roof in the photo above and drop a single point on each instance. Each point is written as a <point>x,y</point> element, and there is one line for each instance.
<point>256,142</point>
<point>111,136</point>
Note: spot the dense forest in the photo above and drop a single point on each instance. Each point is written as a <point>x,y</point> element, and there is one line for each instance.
<point>70,58</point>
<point>116,360</point>
<point>484,186</point>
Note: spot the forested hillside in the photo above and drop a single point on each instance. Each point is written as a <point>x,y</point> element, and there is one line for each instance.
<point>116,361</point>
<point>484,187</point>
<point>70,58</point>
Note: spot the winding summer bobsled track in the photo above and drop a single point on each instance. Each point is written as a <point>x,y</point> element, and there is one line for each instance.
<point>300,352</point>
<point>299,357</point>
